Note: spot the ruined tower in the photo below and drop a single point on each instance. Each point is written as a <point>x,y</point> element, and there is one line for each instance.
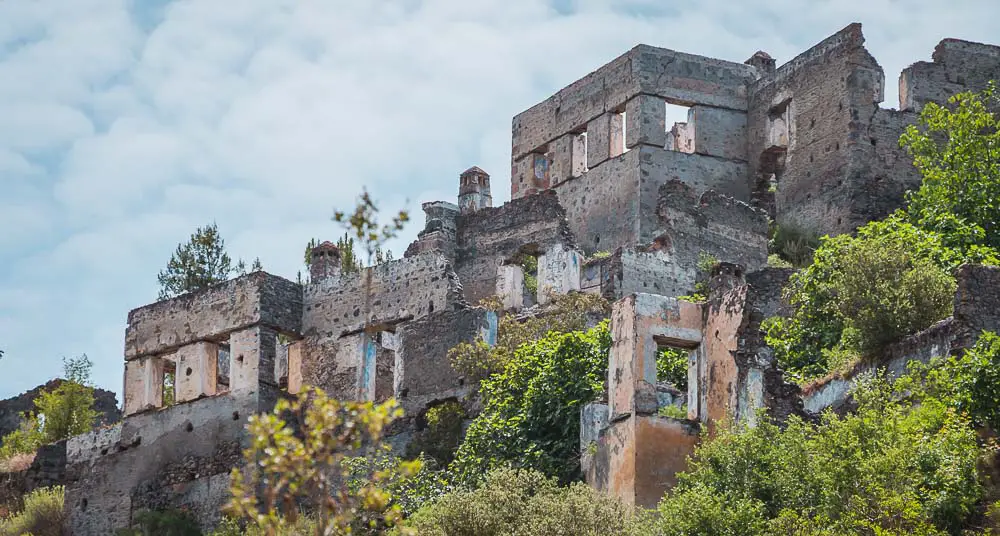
<point>324,262</point>
<point>474,190</point>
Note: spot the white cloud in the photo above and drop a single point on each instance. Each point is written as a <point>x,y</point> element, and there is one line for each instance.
<point>122,131</point>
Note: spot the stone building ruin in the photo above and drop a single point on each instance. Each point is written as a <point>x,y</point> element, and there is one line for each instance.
<point>594,169</point>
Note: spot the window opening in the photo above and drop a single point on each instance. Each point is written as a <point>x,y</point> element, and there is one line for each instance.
<point>680,128</point>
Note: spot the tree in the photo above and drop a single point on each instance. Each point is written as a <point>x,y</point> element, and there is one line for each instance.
<point>531,410</point>
<point>61,413</point>
<point>199,264</point>
<point>956,148</point>
<point>297,457</point>
<point>524,503</point>
<point>891,468</point>
<point>862,292</point>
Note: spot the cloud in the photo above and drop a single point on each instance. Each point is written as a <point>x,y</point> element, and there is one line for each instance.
<point>125,125</point>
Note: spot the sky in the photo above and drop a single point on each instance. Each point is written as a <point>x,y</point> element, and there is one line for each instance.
<point>124,125</point>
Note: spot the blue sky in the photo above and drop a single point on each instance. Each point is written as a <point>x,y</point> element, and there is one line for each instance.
<point>126,124</point>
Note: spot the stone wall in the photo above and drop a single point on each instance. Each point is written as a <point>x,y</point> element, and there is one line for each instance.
<point>822,102</point>
<point>957,66</point>
<point>213,313</point>
<point>175,458</point>
<point>492,237</point>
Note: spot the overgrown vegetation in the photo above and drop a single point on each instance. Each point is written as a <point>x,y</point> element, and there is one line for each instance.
<point>441,435</point>
<point>60,413</point>
<point>524,503</point>
<point>531,409</point>
<point>706,263</point>
<point>672,367</point>
<point>42,514</point>
<point>792,244</point>
<point>569,312</point>
<point>297,457</point>
<point>895,277</point>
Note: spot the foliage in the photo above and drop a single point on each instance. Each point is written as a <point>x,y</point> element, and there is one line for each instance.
<point>775,261</point>
<point>42,515</point>
<point>199,263</point>
<point>524,503</point>
<point>529,267</point>
<point>303,462</point>
<point>672,367</point>
<point>408,490</point>
<point>163,523</point>
<point>230,526</point>
<point>893,467</point>
<point>169,378</point>
<point>60,413</point>
<point>705,264</point>
<point>674,412</point>
<point>956,148</point>
<point>364,225</point>
<point>862,292</point>
<point>531,410</point>
<point>442,434</point>
<point>970,383</point>
<point>566,312</point>
<point>793,244</point>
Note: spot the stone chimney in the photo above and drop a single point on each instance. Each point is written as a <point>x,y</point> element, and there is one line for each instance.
<point>762,61</point>
<point>474,190</point>
<point>324,262</point>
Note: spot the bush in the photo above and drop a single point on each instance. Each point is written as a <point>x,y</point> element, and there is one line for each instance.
<point>672,367</point>
<point>443,433</point>
<point>793,244</point>
<point>523,503</point>
<point>566,313</point>
<point>163,523</point>
<point>893,467</point>
<point>407,490</point>
<point>863,292</point>
<point>42,515</point>
<point>531,411</point>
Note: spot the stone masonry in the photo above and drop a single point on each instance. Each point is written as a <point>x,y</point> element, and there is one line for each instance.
<point>606,199</point>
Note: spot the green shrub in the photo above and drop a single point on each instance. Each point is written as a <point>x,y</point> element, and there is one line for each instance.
<point>893,467</point>
<point>42,515</point>
<point>524,503</point>
<point>891,280</point>
<point>566,313</point>
<point>672,367</point>
<point>531,410</point>
<point>163,523</point>
<point>793,244</point>
<point>443,433</point>
<point>954,148</point>
<point>674,412</point>
<point>407,491</point>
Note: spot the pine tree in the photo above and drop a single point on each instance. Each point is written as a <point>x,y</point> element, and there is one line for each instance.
<point>200,263</point>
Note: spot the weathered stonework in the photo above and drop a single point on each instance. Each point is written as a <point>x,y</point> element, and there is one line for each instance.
<point>606,199</point>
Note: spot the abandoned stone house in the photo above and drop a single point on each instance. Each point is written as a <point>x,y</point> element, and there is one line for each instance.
<point>594,168</point>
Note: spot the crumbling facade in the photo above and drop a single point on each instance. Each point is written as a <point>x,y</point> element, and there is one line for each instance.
<point>606,199</point>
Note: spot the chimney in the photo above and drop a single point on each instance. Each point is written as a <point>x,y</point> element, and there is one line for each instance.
<point>474,190</point>
<point>324,262</point>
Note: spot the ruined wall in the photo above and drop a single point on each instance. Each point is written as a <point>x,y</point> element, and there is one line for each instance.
<point>809,124</point>
<point>212,314</point>
<point>666,74</point>
<point>337,310</point>
<point>177,458</point>
<point>491,237</point>
<point>957,66</point>
<point>977,309</point>
<point>105,403</point>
